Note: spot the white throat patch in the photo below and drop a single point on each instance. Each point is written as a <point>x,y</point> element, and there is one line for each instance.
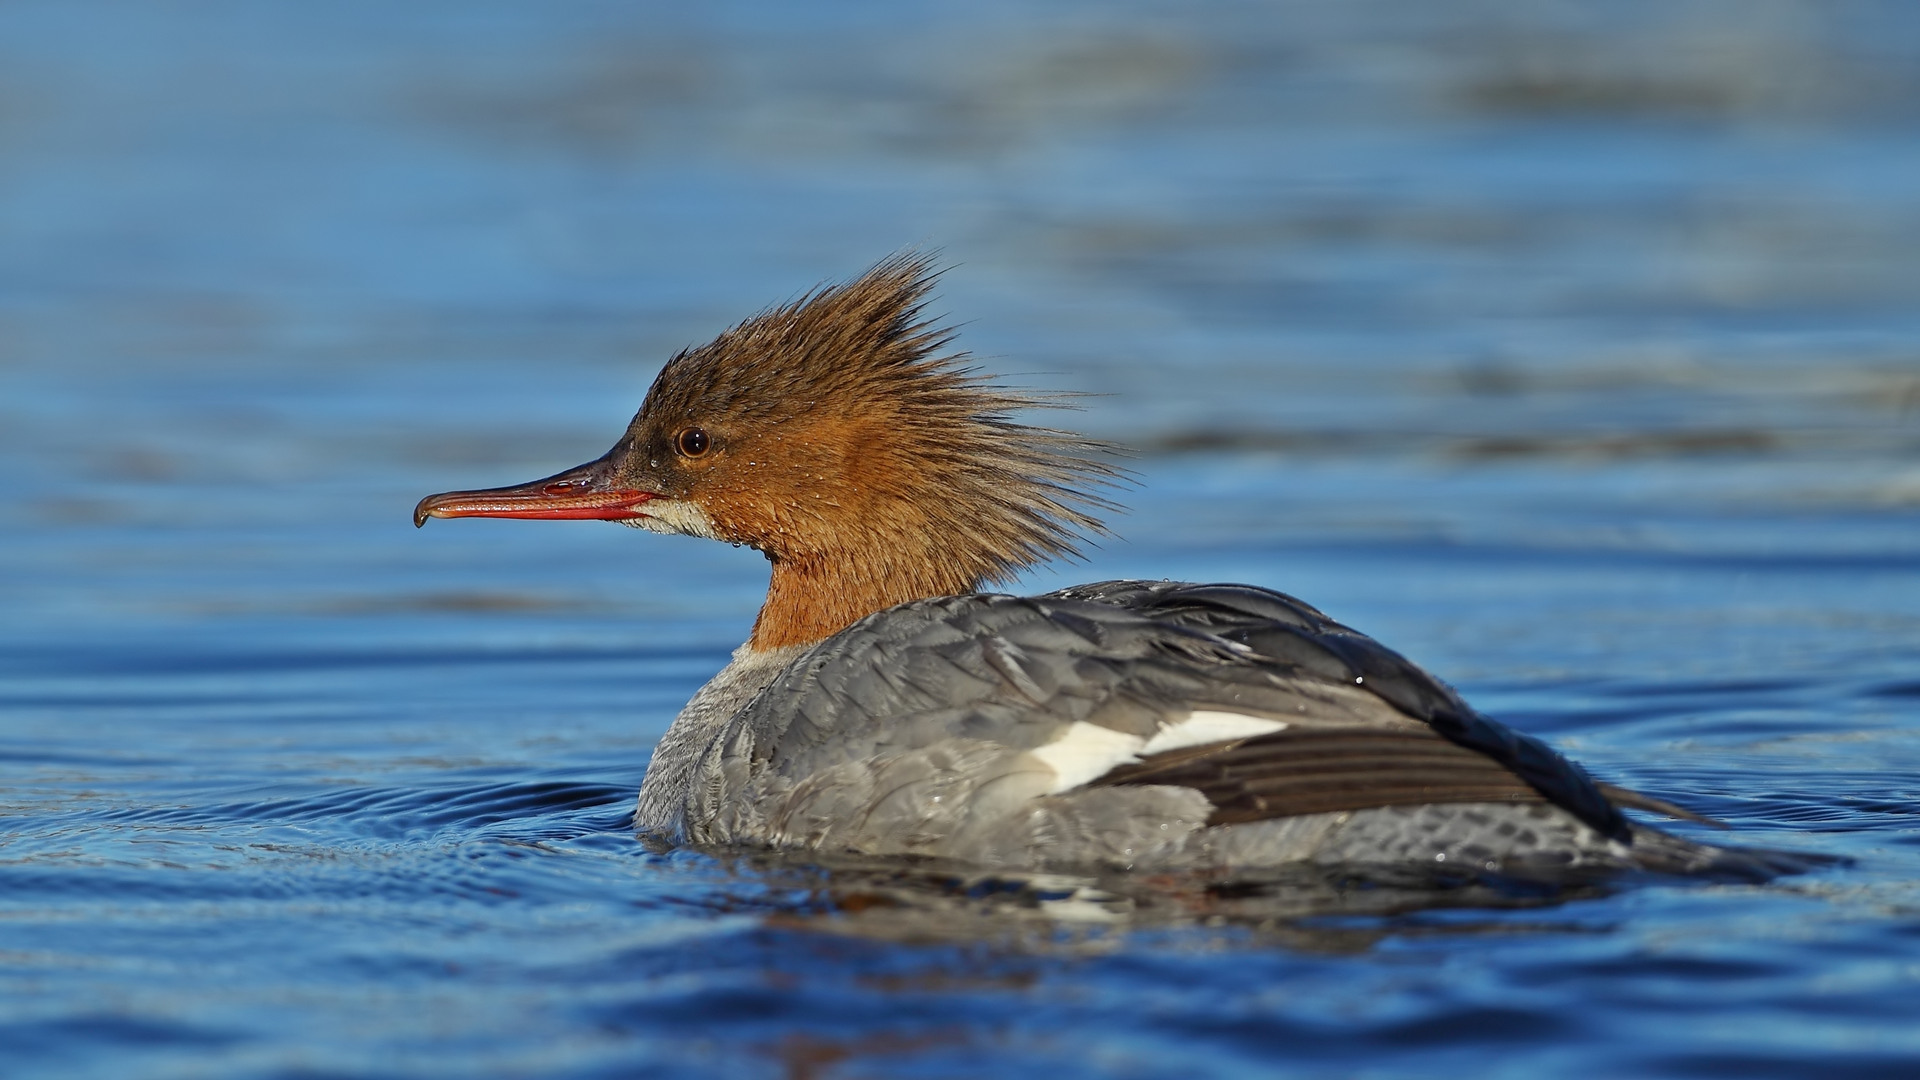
<point>674,516</point>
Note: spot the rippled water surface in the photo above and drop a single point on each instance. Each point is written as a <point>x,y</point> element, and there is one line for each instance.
<point>1574,350</point>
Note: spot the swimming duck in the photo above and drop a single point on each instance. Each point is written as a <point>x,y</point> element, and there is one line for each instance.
<point>885,706</point>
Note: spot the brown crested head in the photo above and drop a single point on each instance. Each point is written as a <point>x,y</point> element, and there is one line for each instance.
<point>840,436</point>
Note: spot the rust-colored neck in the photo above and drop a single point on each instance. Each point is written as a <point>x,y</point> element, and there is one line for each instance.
<point>815,597</point>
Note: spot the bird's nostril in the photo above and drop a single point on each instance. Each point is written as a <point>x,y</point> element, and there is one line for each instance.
<point>563,487</point>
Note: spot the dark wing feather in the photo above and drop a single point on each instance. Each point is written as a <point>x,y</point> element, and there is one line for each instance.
<point>1313,771</point>
<point>1300,640</point>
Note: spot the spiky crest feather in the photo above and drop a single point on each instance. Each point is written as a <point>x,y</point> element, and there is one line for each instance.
<point>868,462</point>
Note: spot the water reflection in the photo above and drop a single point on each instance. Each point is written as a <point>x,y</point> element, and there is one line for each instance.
<point>1335,909</point>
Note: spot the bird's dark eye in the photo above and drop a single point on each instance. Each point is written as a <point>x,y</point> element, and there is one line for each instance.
<point>694,442</point>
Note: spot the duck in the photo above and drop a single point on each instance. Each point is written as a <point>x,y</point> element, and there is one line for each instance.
<point>885,705</point>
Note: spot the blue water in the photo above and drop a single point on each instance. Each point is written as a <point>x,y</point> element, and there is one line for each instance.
<point>1573,350</point>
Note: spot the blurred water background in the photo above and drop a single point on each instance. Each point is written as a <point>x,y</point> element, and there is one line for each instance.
<point>1572,349</point>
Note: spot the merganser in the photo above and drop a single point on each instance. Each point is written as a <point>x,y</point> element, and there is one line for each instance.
<point>885,707</point>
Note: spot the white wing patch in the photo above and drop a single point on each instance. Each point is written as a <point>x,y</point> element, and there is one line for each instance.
<point>1085,752</point>
<point>1088,751</point>
<point>1203,726</point>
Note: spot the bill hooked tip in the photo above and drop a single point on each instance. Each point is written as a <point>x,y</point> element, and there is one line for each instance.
<point>578,494</point>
